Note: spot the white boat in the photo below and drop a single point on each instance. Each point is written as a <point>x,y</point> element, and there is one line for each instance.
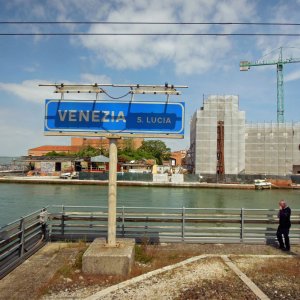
<point>261,184</point>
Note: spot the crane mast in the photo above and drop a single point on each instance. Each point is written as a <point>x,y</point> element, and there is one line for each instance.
<point>245,66</point>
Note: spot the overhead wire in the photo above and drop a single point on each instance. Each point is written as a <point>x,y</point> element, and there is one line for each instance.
<point>145,33</point>
<point>142,34</point>
<point>151,23</point>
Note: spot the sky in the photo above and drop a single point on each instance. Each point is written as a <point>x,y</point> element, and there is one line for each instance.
<point>208,65</point>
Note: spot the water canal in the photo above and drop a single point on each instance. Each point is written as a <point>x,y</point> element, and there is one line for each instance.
<point>17,200</point>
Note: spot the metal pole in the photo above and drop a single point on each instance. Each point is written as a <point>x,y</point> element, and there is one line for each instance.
<point>63,221</point>
<point>123,221</point>
<point>242,225</point>
<point>183,224</point>
<point>112,192</point>
<point>22,236</point>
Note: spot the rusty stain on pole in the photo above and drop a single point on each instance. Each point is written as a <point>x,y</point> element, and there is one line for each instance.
<point>112,192</point>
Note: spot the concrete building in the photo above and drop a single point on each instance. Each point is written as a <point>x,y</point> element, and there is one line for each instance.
<point>222,143</point>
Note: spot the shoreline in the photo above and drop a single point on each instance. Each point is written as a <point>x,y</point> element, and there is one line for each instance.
<point>51,180</point>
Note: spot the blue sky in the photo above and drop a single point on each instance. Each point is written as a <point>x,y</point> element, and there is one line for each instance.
<point>208,65</point>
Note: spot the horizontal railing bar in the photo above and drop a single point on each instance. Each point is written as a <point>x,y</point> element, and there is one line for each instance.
<point>17,222</point>
<point>172,220</point>
<point>5,254</point>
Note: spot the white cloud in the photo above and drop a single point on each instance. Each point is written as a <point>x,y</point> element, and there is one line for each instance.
<point>188,54</point>
<point>94,78</point>
<point>32,68</point>
<point>281,12</point>
<point>28,90</point>
<point>292,76</point>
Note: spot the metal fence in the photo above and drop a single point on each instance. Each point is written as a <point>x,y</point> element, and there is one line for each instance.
<point>22,238</point>
<point>157,224</point>
<point>19,240</point>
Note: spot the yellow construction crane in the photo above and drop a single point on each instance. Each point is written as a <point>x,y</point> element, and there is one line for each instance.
<point>245,66</point>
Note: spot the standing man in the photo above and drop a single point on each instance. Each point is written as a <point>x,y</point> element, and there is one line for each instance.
<point>284,216</point>
<point>43,218</point>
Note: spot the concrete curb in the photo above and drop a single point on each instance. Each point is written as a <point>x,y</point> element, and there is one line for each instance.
<point>251,285</point>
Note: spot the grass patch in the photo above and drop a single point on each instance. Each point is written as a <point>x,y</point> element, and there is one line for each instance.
<point>142,255</point>
<point>66,270</point>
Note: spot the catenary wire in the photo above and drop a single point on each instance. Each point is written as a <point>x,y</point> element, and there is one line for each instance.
<point>151,23</point>
<point>142,34</point>
<point>116,98</point>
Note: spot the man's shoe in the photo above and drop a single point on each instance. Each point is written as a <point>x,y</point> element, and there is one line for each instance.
<point>286,249</point>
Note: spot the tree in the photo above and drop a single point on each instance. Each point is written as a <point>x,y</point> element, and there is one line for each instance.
<point>90,151</point>
<point>54,153</point>
<point>157,149</point>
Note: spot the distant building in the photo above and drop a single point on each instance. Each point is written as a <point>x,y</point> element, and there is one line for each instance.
<point>222,143</point>
<point>78,143</point>
<point>51,165</point>
<point>103,143</point>
<point>178,157</point>
<point>43,150</point>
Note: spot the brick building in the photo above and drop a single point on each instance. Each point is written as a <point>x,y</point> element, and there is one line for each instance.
<point>103,143</point>
<point>78,143</point>
<point>43,150</point>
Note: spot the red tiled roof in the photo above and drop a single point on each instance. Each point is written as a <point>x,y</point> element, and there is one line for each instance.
<point>56,148</point>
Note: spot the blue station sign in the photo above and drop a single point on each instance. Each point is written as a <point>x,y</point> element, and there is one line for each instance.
<point>110,118</point>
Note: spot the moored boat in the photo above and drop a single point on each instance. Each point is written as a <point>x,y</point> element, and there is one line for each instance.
<point>261,184</point>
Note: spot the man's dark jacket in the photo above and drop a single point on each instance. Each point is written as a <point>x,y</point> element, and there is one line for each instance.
<point>284,216</point>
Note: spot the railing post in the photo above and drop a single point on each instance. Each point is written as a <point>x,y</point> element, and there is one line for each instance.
<point>63,221</point>
<point>22,236</point>
<point>123,222</point>
<point>183,224</point>
<point>242,225</point>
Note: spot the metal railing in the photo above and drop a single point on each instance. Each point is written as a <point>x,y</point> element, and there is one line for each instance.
<point>23,237</point>
<point>159,224</point>
<point>19,240</point>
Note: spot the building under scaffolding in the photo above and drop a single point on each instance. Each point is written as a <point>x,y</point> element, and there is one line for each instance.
<point>218,137</point>
<point>272,148</point>
<point>222,143</point>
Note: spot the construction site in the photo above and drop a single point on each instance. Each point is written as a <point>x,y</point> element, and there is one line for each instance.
<point>223,143</point>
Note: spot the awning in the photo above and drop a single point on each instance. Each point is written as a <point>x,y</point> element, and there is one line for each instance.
<point>100,158</point>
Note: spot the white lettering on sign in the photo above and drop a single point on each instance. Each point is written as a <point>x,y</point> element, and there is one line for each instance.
<point>83,115</point>
<point>158,120</point>
<point>62,115</point>
<point>72,116</point>
<point>91,116</point>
